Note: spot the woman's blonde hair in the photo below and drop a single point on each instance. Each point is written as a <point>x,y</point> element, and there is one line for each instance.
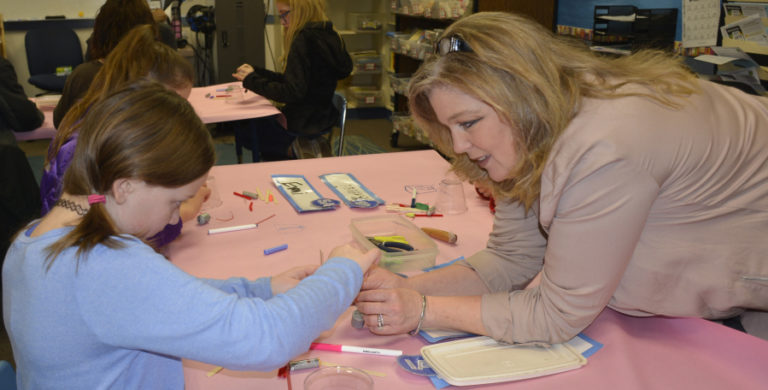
<point>302,12</point>
<point>138,55</point>
<point>145,132</point>
<point>534,80</point>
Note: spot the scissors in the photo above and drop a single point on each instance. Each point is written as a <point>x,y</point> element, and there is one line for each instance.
<point>390,246</point>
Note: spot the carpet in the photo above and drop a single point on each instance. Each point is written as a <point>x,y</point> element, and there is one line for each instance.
<point>353,145</point>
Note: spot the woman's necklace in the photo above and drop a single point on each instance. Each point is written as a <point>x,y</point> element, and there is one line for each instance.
<point>72,206</point>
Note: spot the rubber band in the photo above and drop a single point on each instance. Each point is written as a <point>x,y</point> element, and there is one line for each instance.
<point>96,199</point>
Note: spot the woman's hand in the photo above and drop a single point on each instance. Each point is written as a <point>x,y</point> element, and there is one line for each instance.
<point>399,309</point>
<point>242,71</point>
<point>364,259</point>
<point>380,278</point>
<point>289,279</point>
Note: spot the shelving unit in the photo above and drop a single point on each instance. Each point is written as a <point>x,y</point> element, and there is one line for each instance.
<point>416,27</point>
<point>362,25</point>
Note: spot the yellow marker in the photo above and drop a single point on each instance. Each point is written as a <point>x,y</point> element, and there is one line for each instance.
<point>214,371</point>
<point>399,239</point>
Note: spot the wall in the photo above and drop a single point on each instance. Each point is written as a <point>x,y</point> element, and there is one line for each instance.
<point>580,13</point>
<point>31,10</point>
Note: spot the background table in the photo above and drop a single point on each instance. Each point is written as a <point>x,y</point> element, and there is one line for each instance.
<point>221,110</point>
<point>639,353</point>
<point>209,111</point>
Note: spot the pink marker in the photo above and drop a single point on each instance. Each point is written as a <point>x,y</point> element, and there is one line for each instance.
<point>351,348</point>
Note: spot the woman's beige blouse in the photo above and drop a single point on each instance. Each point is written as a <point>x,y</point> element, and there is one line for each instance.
<point>643,208</point>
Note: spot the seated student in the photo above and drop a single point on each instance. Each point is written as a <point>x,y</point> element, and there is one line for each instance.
<point>88,305</point>
<point>621,182</point>
<point>139,55</point>
<point>114,20</point>
<point>17,112</point>
<point>314,60</point>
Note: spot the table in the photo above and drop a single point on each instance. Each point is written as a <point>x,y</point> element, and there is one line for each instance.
<point>209,111</point>
<point>221,110</point>
<point>638,353</point>
<point>45,131</point>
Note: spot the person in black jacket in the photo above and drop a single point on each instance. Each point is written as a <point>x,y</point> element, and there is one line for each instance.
<point>314,60</point>
<point>17,112</point>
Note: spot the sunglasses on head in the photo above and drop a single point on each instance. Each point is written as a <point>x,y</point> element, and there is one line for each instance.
<point>452,44</point>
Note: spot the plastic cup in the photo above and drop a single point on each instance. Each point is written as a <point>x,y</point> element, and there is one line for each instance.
<point>450,196</point>
<point>338,378</point>
<point>214,200</point>
<point>235,94</point>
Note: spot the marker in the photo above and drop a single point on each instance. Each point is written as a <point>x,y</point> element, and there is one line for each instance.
<point>413,198</point>
<point>279,248</point>
<point>352,348</point>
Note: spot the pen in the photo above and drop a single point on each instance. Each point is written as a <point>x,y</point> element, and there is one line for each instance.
<point>352,348</point>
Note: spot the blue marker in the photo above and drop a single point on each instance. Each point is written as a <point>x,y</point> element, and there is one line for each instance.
<point>270,251</point>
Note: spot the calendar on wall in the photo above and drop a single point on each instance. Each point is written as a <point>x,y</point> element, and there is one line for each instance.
<point>700,22</point>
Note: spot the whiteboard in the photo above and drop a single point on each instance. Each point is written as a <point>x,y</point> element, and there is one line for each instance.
<point>39,9</point>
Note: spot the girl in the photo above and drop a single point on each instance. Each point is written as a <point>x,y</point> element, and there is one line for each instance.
<point>314,60</point>
<point>137,56</point>
<point>88,305</point>
<point>114,20</point>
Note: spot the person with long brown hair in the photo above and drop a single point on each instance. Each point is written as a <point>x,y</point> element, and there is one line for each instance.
<point>625,183</point>
<point>114,19</point>
<point>89,305</point>
<point>314,59</point>
<point>138,56</point>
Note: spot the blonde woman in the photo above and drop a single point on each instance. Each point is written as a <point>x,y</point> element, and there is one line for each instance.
<point>315,59</point>
<point>624,183</point>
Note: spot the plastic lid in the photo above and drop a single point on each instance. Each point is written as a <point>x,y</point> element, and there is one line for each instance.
<point>480,360</point>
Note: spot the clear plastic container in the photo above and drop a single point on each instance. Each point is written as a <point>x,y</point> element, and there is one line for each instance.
<point>338,378</point>
<point>425,249</point>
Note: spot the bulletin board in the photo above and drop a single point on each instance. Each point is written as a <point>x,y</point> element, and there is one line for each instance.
<point>580,13</point>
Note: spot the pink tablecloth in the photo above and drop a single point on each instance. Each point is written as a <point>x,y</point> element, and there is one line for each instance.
<point>209,110</point>
<point>45,131</point>
<point>213,110</point>
<point>639,353</point>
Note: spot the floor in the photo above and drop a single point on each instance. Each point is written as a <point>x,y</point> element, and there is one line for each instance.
<point>363,135</point>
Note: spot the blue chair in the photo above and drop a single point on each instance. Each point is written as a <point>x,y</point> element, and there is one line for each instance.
<point>47,49</point>
<point>7,376</point>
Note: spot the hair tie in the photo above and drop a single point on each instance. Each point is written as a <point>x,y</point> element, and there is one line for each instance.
<point>96,199</point>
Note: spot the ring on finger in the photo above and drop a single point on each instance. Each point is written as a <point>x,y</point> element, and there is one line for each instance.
<point>380,320</point>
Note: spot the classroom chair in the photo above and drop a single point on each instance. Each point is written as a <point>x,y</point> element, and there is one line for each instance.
<point>48,49</point>
<point>340,102</point>
<point>7,376</point>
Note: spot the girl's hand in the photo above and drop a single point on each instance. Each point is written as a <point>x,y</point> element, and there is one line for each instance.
<point>242,71</point>
<point>364,259</point>
<point>289,279</point>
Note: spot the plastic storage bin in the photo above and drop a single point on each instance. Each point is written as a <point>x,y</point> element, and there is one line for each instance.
<point>363,97</point>
<point>366,63</point>
<point>425,249</point>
